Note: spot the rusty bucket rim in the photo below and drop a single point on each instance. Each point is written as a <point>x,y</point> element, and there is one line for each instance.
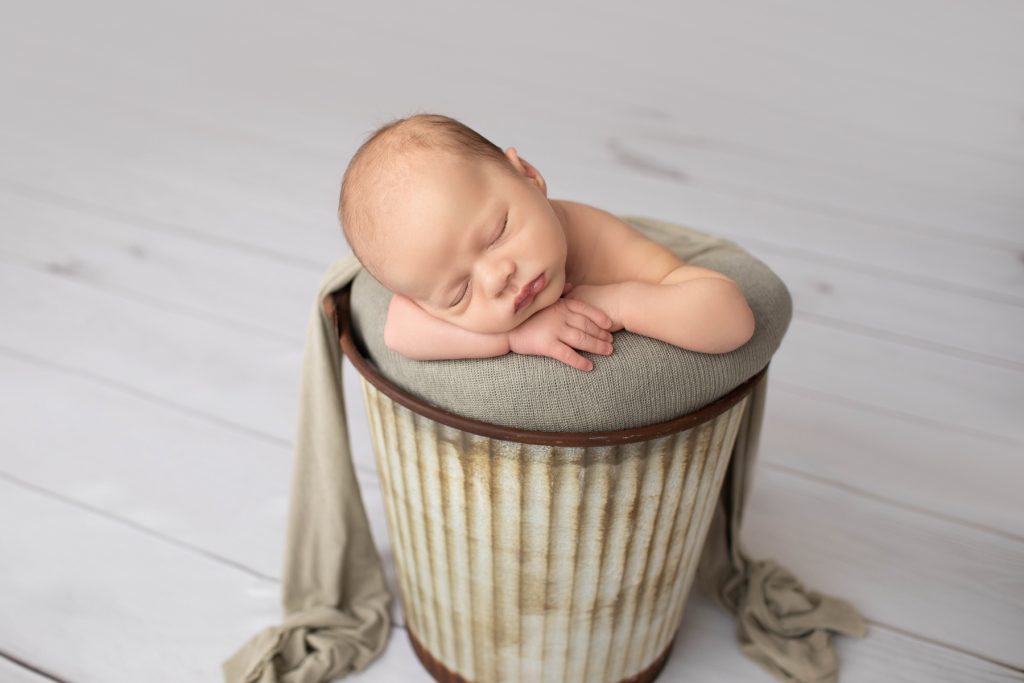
<point>338,308</point>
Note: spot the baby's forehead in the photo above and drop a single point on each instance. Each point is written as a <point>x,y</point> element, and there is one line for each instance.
<point>399,180</point>
<point>407,275</point>
<point>433,191</point>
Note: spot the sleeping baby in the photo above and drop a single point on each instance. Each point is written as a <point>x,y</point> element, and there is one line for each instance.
<point>481,262</point>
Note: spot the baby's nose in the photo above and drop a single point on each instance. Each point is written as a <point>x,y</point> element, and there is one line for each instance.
<point>501,277</point>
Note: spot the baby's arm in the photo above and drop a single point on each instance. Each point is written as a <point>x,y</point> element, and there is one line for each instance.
<point>708,314</point>
<point>414,333</point>
<point>554,331</point>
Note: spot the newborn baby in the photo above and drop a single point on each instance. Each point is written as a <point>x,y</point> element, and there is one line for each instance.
<point>481,262</point>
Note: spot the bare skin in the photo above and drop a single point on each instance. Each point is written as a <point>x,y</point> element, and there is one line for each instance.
<point>471,239</point>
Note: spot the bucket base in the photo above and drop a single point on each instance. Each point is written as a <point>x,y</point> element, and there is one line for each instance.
<point>443,675</point>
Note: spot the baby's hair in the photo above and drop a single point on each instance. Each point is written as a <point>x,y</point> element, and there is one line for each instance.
<point>365,184</point>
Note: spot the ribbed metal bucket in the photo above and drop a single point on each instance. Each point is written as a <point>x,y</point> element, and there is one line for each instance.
<point>543,556</point>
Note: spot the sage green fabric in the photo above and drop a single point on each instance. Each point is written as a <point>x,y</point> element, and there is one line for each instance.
<point>335,602</point>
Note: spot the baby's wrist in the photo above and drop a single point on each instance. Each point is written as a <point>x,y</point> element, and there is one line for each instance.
<point>506,338</point>
<point>627,295</point>
<point>617,308</point>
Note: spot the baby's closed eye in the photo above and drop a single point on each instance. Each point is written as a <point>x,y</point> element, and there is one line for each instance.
<point>497,238</point>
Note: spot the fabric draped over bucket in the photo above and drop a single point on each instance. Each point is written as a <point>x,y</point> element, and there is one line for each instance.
<point>334,595</point>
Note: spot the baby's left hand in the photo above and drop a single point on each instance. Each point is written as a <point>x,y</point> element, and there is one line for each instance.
<point>556,330</point>
<point>605,297</point>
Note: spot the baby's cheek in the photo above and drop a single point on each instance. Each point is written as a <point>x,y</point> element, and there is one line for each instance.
<point>553,295</point>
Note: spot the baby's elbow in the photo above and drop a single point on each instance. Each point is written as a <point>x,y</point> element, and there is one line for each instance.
<point>389,329</point>
<point>746,329</point>
<point>393,336</point>
<point>396,341</point>
<point>739,329</point>
<point>389,339</point>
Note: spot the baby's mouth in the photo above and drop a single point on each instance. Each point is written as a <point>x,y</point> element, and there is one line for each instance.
<point>530,291</point>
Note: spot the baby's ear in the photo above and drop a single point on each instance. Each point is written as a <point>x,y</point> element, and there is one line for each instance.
<point>513,156</point>
<point>527,169</point>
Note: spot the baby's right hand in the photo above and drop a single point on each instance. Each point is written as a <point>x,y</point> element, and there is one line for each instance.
<point>562,326</point>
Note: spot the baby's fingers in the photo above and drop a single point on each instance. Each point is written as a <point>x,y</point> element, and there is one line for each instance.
<point>600,342</point>
<point>592,312</point>
<point>570,357</point>
<point>585,324</point>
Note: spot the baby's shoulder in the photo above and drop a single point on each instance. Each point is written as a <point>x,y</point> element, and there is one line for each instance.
<point>604,249</point>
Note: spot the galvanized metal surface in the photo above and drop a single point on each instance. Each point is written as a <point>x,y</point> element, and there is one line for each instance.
<point>521,562</point>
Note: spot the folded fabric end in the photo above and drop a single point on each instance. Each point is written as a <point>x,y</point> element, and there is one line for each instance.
<point>787,629</point>
<point>853,624</point>
<point>313,646</point>
<point>251,663</point>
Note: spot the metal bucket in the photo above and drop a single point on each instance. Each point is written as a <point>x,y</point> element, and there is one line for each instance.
<point>543,556</point>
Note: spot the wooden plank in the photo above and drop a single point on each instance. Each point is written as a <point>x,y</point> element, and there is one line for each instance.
<point>884,655</point>
<point>905,659</point>
<point>838,188</point>
<point>13,672</point>
<point>136,607</point>
<point>969,53</point>
<point>914,382</point>
<point>244,379</point>
<point>253,291</point>
<point>949,321</point>
<point>962,476</point>
<point>184,476</point>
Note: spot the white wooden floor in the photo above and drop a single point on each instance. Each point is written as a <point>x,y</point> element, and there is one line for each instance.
<point>168,181</point>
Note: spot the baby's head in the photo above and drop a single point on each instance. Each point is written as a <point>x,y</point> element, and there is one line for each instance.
<point>424,204</point>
